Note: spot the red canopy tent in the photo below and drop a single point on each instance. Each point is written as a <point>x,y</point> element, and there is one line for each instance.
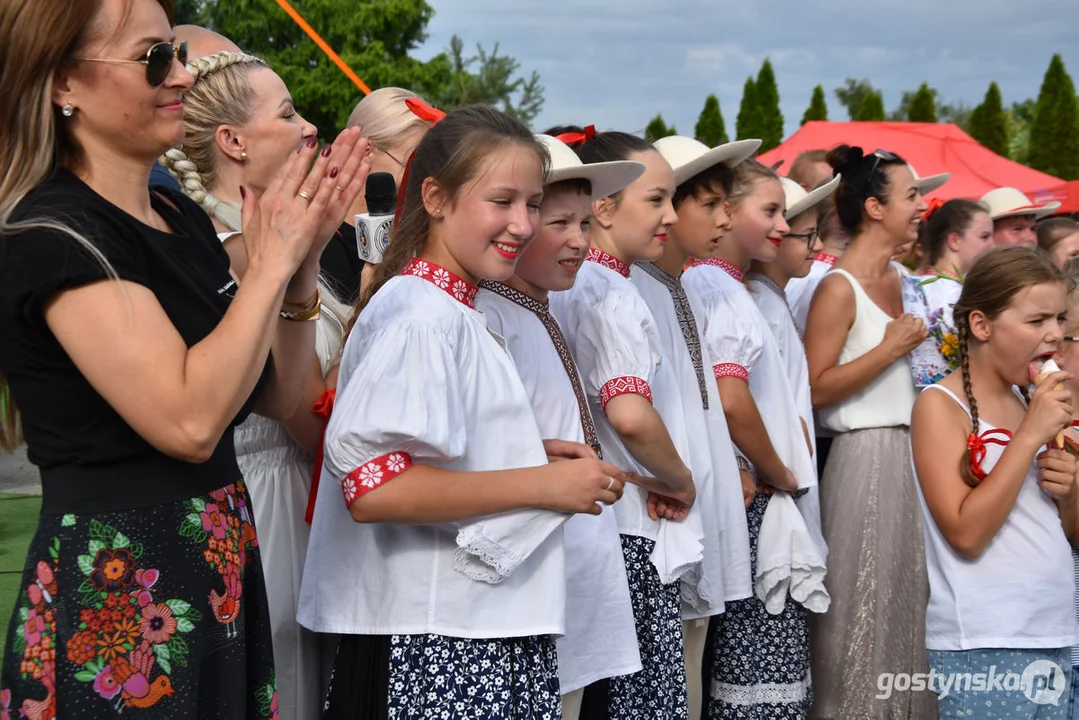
<point>931,148</point>
<point>1067,195</point>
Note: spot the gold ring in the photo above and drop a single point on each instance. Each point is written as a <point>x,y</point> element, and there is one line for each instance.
<point>304,195</point>
<point>339,189</point>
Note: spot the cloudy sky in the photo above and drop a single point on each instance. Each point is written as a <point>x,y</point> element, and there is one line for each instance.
<point>616,64</point>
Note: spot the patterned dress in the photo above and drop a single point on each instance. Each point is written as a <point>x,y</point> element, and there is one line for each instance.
<point>151,613</point>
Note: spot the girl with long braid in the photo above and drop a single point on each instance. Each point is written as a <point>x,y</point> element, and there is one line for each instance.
<point>998,507</point>
<point>240,128</point>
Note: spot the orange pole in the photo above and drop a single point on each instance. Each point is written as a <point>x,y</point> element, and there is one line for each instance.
<point>324,46</point>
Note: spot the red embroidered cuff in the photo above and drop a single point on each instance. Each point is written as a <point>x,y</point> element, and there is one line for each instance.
<point>723,370</point>
<point>374,473</point>
<point>623,385</point>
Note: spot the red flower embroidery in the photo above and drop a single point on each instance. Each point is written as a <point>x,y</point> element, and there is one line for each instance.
<point>113,570</point>
<point>82,647</point>
<point>33,628</point>
<point>373,474</point>
<point>456,287</point>
<point>214,521</point>
<point>105,684</point>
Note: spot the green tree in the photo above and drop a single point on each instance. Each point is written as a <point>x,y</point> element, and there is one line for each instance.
<point>923,105</point>
<point>1054,135</point>
<point>766,96</point>
<point>872,107</point>
<point>958,114</point>
<point>710,128</point>
<point>188,12</point>
<point>374,37</point>
<point>1019,117</point>
<point>989,124</point>
<point>818,108</point>
<point>851,94</point>
<point>749,123</point>
<point>657,129</point>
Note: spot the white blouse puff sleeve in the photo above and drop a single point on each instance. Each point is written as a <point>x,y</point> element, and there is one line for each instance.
<point>615,350</point>
<point>736,343</point>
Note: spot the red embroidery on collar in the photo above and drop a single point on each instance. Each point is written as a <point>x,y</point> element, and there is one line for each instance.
<point>728,267</point>
<point>456,287</point>
<point>608,261</point>
<point>825,258</point>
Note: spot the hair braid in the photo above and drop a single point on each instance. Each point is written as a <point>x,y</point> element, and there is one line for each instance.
<point>965,468</point>
<point>219,96</point>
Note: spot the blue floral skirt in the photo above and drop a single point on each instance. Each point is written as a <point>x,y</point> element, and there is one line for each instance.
<point>658,692</point>
<point>429,677</point>
<point>760,662</point>
<point>156,612</point>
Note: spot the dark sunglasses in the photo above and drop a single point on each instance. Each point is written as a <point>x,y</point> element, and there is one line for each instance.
<point>158,61</point>
<point>877,156</point>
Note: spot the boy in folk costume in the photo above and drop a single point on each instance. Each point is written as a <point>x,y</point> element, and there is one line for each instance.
<point>600,640</point>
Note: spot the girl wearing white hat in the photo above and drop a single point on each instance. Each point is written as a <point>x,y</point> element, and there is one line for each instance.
<point>952,234</point>
<point>857,341</point>
<point>600,641</point>
<point>703,178</point>
<point>640,422</point>
<point>1015,216</point>
<point>760,647</point>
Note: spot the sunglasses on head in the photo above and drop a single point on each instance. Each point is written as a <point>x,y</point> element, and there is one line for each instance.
<point>877,156</point>
<point>158,61</point>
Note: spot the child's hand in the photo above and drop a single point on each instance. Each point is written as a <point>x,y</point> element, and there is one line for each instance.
<point>661,506</point>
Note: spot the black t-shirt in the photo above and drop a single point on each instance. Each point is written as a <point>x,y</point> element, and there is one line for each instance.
<point>90,459</point>
<point>341,265</point>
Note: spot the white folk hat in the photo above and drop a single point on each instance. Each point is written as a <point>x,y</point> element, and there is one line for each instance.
<point>607,178</point>
<point>688,157</point>
<point>798,200</point>
<point>929,183</point>
<point>1008,202</point>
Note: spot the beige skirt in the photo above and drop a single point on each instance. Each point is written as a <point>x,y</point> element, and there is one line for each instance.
<point>871,518</point>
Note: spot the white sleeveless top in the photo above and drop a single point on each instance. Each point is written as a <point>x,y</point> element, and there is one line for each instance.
<point>888,399</point>
<point>1019,593</point>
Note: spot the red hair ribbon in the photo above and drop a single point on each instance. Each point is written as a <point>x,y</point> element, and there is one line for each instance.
<point>934,205</point>
<point>572,138</point>
<point>424,111</point>
<point>978,450</point>
<point>322,407</point>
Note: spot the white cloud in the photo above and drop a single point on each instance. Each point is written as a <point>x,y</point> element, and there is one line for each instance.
<point>616,63</point>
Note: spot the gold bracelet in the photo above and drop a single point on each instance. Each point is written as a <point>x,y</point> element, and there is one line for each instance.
<point>304,306</point>
<point>312,312</point>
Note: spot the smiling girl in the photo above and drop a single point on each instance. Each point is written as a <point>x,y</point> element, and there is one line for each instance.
<point>760,659</point>
<point>998,507</point>
<point>432,428</point>
<point>639,415</point>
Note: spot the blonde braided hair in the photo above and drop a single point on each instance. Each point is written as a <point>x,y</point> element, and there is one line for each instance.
<point>221,95</point>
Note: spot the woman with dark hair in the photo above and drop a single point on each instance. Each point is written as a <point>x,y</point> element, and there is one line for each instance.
<point>857,341</point>
<point>132,353</point>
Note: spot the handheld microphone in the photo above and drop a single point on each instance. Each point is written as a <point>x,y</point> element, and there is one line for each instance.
<point>374,228</point>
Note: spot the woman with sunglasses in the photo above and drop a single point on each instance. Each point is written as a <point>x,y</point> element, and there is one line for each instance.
<point>131,353</point>
<point>857,341</point>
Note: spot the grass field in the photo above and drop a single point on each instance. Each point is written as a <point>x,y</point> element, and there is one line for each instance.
<point>18,518</point>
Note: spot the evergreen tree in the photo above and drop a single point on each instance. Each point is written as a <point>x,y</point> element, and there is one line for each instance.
<point>657,129</point>
<point>872,108</point>
<point>748,125</point>
<point>851,95</point>
<point>818,108</point>
<point>1054,135</point>
<point>766,95</point>
<point>923,105</point>
<point>710,128</point>
<point>989,124</point>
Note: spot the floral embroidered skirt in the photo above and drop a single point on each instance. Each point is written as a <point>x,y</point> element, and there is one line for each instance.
<point>432,677</point>
<point>760,661</point>
<point>658,692</point>
<point>156,612</point>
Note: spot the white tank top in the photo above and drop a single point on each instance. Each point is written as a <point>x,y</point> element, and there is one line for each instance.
<point>1019,593</point>
<point>888,399</point>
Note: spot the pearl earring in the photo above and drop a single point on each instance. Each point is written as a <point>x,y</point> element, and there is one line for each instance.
<point>68,110</point>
